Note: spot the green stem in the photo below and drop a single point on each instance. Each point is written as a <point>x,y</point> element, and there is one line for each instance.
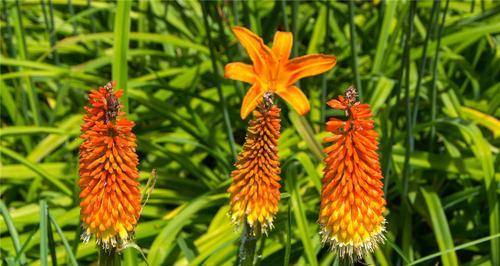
<point>353,49</point>
<point>108,257</point>
<point>288,243</point>
<point>295,12</point>
<point>222,98</point>
<point>435,78</point>
<point>14,236</point>
<point>285,19</point>
<point>248,245</point>
<point>23,55</point>
<point>324,81</point>
<point>409,133</point>
<point>430,29</point>
<point>387,163</point>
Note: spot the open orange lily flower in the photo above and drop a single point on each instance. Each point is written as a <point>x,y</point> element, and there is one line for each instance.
<point>273,71</point>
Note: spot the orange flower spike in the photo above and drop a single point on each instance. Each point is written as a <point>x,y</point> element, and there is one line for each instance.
<point>255,190</point>
<point>273,71</point>
<point>110,197</point>
<point>352,199</point>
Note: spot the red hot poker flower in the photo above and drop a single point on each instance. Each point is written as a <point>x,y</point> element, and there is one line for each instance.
<point>352,200</point>
<point>255,190</point>
<point>110,196</point>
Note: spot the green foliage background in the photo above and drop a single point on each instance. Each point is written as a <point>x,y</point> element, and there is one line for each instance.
<point>437,115</point>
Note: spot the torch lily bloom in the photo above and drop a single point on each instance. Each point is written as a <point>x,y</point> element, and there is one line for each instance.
<point>110,196</point>
<point>352,199</point>
<point>255,190</point>
<point>273,71</point>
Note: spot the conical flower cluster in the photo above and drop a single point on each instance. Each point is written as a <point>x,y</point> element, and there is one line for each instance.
<point>352,199</point>
<point>110,196</point>
<point>255,190</point>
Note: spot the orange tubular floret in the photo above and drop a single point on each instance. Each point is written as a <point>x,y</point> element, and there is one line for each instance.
<point>110,196</point>
<point>352,199</point>
<point>255,190</point>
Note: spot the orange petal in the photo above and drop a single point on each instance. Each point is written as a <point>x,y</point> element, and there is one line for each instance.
<point>309,65</point>
<point>282,45</point>
<point>252,98</point>
<point>296,98</point>
<point>258,52</point>
<point>239,71</point>
<point>336,104</point>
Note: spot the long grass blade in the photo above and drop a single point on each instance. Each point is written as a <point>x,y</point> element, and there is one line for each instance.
<point>44,238</point>
<point>23,54</point>
<point>52,32</point>
<point>52,244</point>
<point>69,252</point>
<point>299,214</point>
<point>16,156</point>
<point>460,247</point>
<point>440,227</point>
<point>12,231</point>
<point>378,63</point>
<point>121,47</point>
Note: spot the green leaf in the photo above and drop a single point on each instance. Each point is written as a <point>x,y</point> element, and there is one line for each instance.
<point>440,227</point>
<point>120,48</point>
<point>53,141</point>
<point>136,36</point>
<point>385,30</point>
<point>306,132</point>
<point>12,231</point>
<point>382,90</point>
<point>300,215</point>
<point>44,238</point>
<point>69,252</point>
<point>10,153</point>
<point>308,165</point>
<point>318,34</point>
<point>29,130</point>
<point>164,242</point>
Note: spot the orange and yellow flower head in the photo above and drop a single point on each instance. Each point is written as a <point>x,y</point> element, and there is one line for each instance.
<point>110,197</point>
<point>352,199</point>
<point>273,71</point>
<point>255,190</point>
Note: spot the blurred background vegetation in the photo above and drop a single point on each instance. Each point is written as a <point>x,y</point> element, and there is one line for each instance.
<point>430,71</point>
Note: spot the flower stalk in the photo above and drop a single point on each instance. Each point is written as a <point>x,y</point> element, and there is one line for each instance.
<point>249,238</point>
<point>108,257</point>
